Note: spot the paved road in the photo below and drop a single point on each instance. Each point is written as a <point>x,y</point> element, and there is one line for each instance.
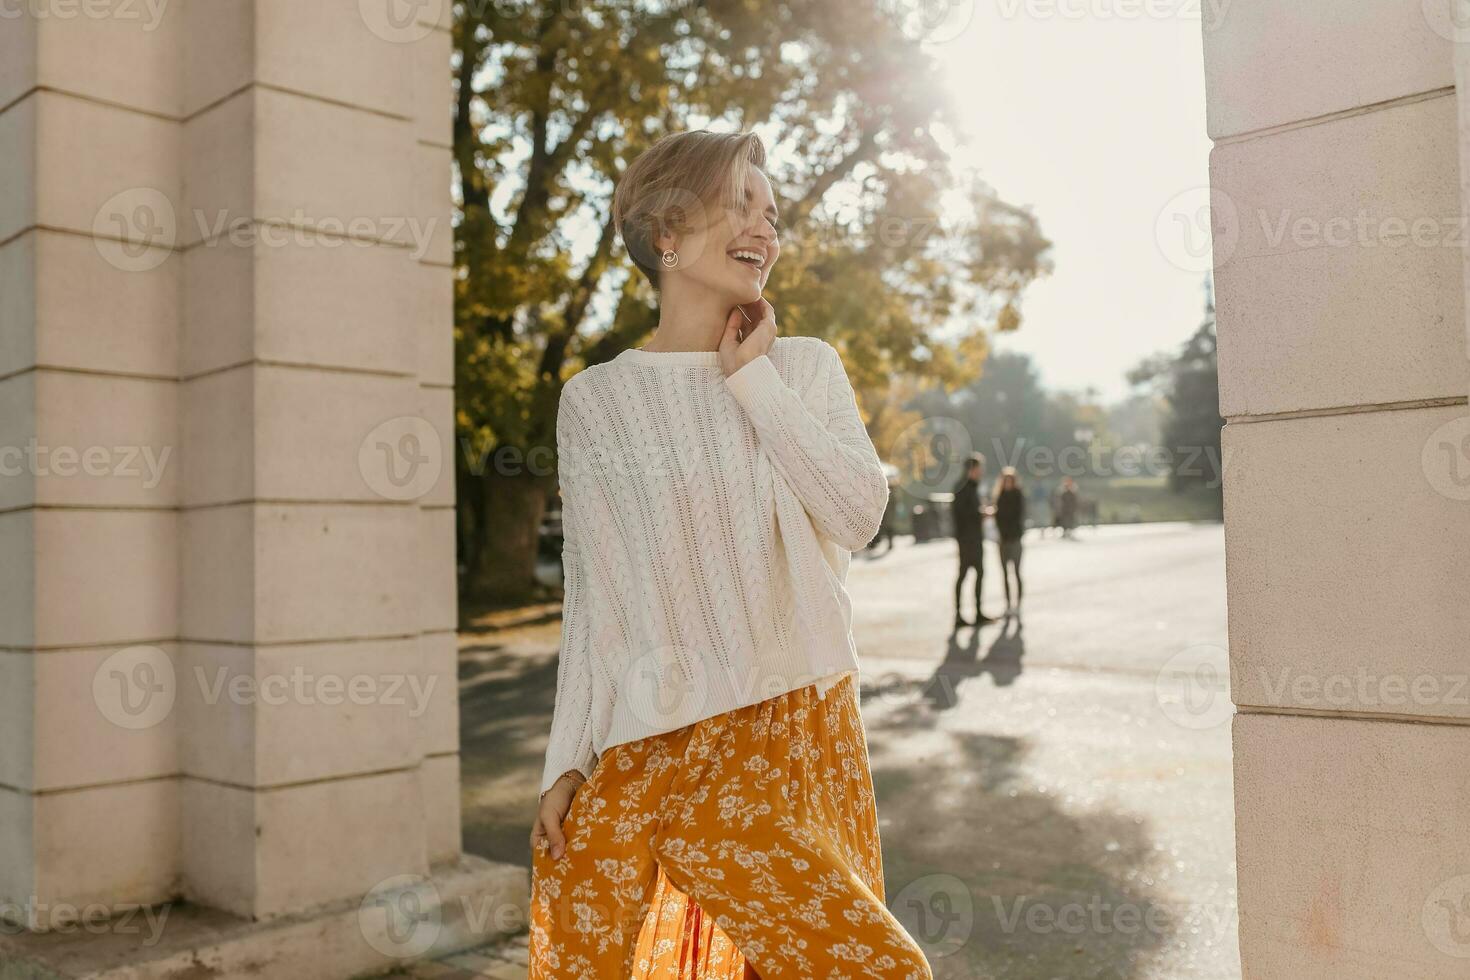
<point>1054,791</point>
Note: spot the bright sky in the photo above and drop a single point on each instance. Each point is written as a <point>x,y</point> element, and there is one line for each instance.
<point>1092,113</point>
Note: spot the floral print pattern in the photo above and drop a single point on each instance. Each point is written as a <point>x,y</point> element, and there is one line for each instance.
<point>743,845</point>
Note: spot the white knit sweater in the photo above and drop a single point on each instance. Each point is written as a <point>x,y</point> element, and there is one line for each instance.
<point>708,524</point>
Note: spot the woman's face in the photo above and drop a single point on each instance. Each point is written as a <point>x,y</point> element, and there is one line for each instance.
<point>732,254</point>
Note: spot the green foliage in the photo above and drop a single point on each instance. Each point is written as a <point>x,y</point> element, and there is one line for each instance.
<point>1189,383</point>
<point>555,99</point>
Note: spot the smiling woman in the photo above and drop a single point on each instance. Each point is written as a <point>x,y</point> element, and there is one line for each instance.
<point>707,808</point>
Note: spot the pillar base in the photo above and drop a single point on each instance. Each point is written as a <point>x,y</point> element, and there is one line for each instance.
<point>459,906</point>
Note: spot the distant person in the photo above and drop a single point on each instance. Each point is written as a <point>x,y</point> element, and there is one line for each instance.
<point>1067,507</point>
<point>969,532</point>
<point>1010,524</point>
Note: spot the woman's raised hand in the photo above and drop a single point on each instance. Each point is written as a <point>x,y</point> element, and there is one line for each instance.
<point>759,336</point>
<point>553,810</point>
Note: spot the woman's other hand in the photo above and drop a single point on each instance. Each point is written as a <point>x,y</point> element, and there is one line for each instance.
<point>759,336</point>
<point>554,806</point>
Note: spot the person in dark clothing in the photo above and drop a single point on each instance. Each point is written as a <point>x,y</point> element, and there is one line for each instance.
<point>969,531</point>
<point>1010,524</point>
<point>1067,507</point>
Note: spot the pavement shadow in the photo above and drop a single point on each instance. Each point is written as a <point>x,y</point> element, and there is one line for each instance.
<point>996,879</point>
<point>1002,661</point>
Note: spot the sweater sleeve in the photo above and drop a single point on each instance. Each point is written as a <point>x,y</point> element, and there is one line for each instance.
<point>570,744</point>
<point>830,463</point>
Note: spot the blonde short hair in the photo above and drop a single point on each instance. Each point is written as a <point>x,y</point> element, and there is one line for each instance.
<point>667,181</point>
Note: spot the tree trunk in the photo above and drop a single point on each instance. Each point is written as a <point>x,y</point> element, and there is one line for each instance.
<point>508,537</point>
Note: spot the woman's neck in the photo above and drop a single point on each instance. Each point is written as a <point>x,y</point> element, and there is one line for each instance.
<point>690,321</point>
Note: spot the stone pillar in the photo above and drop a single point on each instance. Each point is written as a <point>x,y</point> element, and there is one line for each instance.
<point>227,595</point>
<point>1339,243</point>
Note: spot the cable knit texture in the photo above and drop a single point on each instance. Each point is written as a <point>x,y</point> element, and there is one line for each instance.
<point>708,523</point>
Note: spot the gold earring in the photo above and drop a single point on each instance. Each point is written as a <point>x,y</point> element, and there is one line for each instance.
<point>670,258</point>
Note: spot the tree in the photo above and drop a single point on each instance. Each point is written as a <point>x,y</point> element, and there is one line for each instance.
<point>1190,385</point>
<point>555,99</point>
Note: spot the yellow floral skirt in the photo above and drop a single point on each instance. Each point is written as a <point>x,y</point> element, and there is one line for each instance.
<point>743,845</point>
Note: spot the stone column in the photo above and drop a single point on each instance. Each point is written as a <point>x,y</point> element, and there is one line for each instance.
<point>1339,243</point>
<point>227,600</point>
<point>90,474</point>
